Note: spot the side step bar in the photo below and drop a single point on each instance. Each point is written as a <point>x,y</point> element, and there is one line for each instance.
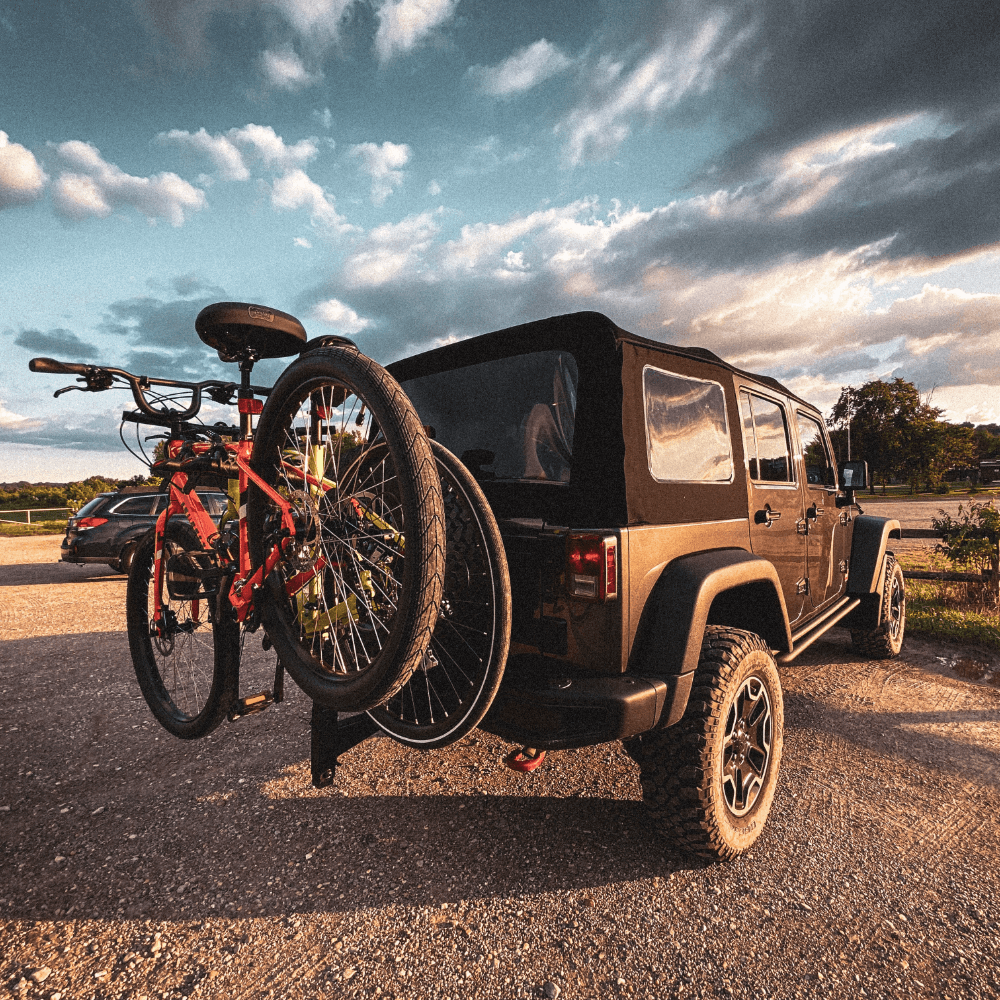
<point>804,639</point>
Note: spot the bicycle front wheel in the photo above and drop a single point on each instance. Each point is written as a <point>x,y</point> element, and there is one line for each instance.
<point>352,602</point>
<point>187,664</point>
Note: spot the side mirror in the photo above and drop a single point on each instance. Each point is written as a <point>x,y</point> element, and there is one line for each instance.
<point>853,476</point>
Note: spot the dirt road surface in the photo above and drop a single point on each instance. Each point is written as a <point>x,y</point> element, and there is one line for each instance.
<point>135,865</point>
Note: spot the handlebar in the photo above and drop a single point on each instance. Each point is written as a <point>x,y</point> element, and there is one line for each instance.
<point>98,378</point>
<point>130,416</point>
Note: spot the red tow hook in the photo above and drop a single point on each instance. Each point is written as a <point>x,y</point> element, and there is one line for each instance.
<point>525,759</point>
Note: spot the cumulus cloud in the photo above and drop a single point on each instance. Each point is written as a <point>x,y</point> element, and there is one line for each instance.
<point>341,317</point>
<point>521,71</point>
<point>384,165</point>
<point>283,68</point>
<point>10,421</point>
<point>21,176</point>
<point>58,343</point>
<point>405,24</point>
<point>228,152</point>
<point>390,250</point>
<point>295,189</point>
<point>93,187</point>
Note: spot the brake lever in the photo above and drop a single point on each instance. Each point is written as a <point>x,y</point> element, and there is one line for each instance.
<point>96,379</point>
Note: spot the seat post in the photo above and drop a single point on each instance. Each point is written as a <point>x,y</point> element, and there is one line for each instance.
<point>247,358</point>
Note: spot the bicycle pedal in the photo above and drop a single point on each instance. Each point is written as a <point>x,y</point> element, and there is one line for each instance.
<point>250,705</point>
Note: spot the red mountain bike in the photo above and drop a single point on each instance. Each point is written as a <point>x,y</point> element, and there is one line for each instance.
<point>334,539</point>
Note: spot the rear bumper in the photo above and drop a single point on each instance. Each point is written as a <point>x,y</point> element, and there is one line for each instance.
<point>541,709</point>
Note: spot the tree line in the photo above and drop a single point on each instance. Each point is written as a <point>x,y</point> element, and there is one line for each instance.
<point>904,439</point>
<point>73,495</point>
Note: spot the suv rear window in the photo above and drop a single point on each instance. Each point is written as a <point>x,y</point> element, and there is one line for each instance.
<point>512,418</point>
<point>90,506</point>
<point>687,431</point>
<point>135,506</point>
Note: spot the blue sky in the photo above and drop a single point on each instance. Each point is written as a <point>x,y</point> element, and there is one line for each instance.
<point>809,189</point>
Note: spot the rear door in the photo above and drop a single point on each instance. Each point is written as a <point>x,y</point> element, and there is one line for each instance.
<point>777,516</point>
<point>825,568</point>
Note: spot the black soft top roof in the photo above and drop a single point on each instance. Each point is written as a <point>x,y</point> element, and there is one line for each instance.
<point>581,333</point>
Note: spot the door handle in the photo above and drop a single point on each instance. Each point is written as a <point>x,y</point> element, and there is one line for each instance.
<point>814,512</point>
<point>766,516</point>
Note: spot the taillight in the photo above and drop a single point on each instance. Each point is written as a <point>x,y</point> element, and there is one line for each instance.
<point>592,566</point>
<point>91,522</point>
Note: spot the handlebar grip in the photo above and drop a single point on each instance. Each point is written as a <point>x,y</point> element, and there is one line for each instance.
<point>132,417</point>
<point>50,366</point>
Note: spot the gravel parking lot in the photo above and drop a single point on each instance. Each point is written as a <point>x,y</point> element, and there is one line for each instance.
<point>135,865</point>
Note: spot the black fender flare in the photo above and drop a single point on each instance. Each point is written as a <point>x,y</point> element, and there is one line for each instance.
<point>868,543</point>
<point>672,623</point>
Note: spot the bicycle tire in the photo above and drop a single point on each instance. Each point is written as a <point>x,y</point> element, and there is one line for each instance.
<point>189,675</point>
<point>373,521</point>
<point>454,686</point>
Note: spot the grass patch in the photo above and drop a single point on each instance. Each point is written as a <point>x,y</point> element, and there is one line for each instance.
<point>978,628</point>
<point>35,528</point>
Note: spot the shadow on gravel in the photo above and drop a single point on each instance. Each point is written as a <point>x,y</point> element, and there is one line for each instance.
<point>246,857</point>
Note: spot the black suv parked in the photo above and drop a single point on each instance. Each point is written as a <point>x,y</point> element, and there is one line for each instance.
<point>674,528</point>
<point>108,528</point>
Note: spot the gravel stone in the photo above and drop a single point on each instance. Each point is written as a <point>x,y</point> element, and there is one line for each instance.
<point>888,807</point>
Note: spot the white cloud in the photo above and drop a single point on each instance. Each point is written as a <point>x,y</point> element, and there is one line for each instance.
<point>391,250</point>
<point>93,187</point>
<point>220,150</point>
<point>384,165</point>
<point>316,20</point>
<point>341,317</point>
<point>301,241</point>
<point>228,152</point>
<point>284,69</point>
<point>295,189</point>
<point>21,176</point>
<point>521,71</point>
<point>15,422</point>
<point>271,148</point>
<point>679,65</point>
<point>433,189</point>
<point>404,24</point>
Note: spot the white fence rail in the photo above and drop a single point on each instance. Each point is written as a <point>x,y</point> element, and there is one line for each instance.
<point>4,519</point>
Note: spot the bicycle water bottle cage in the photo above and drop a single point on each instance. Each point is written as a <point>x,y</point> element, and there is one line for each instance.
<point>236,328</point>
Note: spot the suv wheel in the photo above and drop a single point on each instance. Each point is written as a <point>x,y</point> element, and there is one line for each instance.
<point>884,641</point>
<point>125,559</point>
<point>709,781</point>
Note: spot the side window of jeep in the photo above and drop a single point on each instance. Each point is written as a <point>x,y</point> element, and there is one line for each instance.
<point>687,430</point>
<point>765,434</point>
<point>820,470</point>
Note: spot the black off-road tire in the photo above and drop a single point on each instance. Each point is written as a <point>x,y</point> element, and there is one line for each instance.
<point>363,671</point>
<point>885,640</point>
<point>683,769</point>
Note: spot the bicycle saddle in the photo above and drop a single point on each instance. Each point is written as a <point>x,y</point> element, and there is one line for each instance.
<point>232,327</point>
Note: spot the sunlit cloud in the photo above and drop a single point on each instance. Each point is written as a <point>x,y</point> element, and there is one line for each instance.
<point>521,71</point>
<point>341,317</point>
<point>284,69</point>
<point>93,187</point>
<point>405,24</point>
<point>22,179</point>
<point>295,189</point>
<point>384,165</point>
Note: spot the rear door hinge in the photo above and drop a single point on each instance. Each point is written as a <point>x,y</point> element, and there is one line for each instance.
<point>802,587</point>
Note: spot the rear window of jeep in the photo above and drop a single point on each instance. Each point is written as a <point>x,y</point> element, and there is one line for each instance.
<point>687,430</point>
<point>512,418</point>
